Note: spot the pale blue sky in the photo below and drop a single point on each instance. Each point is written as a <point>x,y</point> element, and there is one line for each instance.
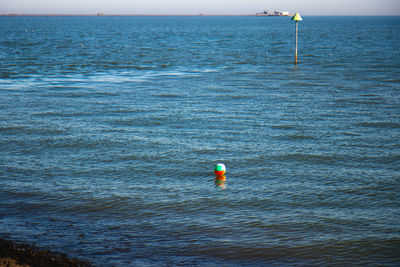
<point>239,7</point>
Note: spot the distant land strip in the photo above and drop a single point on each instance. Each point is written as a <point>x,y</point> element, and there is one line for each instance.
<point>127,15</point>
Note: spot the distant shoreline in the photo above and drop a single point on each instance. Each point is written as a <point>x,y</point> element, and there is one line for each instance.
<point>126,15</point>
<point>174,15</point>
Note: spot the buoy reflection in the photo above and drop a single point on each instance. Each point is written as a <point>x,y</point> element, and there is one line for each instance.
<point>220,181</point>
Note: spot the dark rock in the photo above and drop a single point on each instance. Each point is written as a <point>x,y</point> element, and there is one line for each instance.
<point>26,254</point>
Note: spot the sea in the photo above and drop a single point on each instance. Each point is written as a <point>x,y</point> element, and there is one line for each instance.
<point>110,128</point>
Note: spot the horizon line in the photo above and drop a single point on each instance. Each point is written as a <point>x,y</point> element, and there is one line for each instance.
<point>101,14</point>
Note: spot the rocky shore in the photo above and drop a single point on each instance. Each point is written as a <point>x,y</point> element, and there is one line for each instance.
<point>19,255</point>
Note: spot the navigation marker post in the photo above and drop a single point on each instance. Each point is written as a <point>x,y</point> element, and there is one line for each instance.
<point>296,18</point>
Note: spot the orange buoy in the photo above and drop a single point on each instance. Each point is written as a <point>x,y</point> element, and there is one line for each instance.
<point>219,169</point>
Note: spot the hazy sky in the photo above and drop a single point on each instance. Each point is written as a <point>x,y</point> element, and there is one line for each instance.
<point>305,7</point>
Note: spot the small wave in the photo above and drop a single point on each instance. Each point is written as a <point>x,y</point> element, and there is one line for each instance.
<point>156,121</point>
<point>283,127</point>
<point>76,142</point>
<point>10,129</point>
<point>27,129</point>
<point>60,114</point>
<point>297,137</point>
<point>169,95</point>
<point>308,158</point>
<point>351,134</point>
<point>241,97</point>
<point>126,74</point>
<point>380,125</point>
<point>360,101</point>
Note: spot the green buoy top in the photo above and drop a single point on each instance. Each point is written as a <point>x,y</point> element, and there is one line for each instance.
<point>297,17</point>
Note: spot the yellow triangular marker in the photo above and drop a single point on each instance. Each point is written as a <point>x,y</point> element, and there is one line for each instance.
<point>297,17</point>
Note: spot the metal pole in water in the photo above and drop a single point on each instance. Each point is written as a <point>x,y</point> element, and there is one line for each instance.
<point>296,18</point>
<point>295,60</point>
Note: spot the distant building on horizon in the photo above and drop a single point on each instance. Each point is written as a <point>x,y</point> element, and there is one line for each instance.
<point>275,13</point>
<point>281,13</point>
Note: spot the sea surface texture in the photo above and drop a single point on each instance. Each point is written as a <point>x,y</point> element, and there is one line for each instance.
<point>110,128</point>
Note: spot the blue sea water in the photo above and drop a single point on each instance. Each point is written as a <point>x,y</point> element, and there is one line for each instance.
<point>110,128</point>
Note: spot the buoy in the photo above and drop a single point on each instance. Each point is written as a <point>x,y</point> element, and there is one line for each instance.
<point>219,169</point>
